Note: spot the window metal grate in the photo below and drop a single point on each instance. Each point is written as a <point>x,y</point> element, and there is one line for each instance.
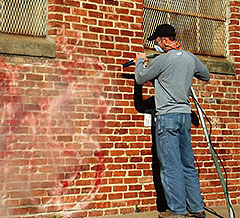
<point>24,17</point>
<point>200,24</point>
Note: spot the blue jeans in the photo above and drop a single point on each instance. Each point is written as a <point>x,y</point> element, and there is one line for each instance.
<point>178,173</point>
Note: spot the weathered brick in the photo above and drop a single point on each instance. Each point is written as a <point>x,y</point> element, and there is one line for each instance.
<point>89,6</point>
<point>56,113</point>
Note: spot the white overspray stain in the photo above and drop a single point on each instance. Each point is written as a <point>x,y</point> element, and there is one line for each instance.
<point>51,155</point>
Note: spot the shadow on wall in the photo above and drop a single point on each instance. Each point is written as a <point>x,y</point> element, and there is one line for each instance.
<point>148,106</point>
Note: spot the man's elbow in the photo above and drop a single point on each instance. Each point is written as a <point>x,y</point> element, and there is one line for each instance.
<point>138,80</point>
<point>208,77</point>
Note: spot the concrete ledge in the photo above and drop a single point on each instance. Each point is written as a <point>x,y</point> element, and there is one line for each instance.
<point>27,45</point>
<point>218,65</point>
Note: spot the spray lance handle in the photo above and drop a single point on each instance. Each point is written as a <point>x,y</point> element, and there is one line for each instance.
<point>129,63</point>
<point>133,62</point>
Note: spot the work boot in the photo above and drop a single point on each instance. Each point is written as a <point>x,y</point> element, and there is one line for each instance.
<point>197,215</point>
<point>170,214</point>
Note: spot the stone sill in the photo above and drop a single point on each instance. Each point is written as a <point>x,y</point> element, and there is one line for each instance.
<point>217,65</point>
<point>27,45</point>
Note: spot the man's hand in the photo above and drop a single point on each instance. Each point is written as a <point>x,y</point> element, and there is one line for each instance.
<point>141,55</point>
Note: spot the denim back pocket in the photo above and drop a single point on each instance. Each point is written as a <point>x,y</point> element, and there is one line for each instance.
<point>171,126</point>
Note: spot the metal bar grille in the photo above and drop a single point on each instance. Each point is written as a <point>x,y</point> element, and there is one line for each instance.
<point>200,24</point>
<point>23,17</point>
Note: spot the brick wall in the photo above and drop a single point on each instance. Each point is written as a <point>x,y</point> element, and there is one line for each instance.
<point>72,142</point>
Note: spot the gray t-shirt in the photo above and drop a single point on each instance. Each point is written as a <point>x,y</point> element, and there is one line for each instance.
<point>172,73</point>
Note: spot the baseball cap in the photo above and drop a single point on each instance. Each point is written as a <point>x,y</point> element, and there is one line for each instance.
<point>163,30</point>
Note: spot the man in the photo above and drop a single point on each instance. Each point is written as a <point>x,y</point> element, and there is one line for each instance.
<point>173,72</point>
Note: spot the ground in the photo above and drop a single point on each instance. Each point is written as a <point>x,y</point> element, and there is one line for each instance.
<point>223,211</point>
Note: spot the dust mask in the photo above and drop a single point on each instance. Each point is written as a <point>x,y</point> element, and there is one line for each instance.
<point>158,49</point>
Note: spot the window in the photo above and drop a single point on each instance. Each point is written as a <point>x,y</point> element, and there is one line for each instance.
<point>200,24</point>
<point>24,28</point>
<point>25,17</point>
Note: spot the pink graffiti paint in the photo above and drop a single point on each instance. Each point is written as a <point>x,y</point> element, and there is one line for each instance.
<point>47,153</point>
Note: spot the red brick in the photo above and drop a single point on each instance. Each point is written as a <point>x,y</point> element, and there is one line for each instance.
<point>115,196</point>
<point>107,45</point>
<point>112,31</point>
<point>95,14</point>
<point>56,149</point>
<point>97,1</point>
<point>79,12</point>
<point>59,9</point>
<point>105,23</point>
<point>111,2</point>
<point>111,17</point>
<point>18,211</point>
<point>89,6</point>
<point>73,3</point>
<point>126,210</point>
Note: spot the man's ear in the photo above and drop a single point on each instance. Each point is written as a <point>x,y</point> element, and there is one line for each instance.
<point>166,40</point>
<point>158,38</point>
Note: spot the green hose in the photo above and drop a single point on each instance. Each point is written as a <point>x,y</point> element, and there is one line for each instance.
<point>213,153</point>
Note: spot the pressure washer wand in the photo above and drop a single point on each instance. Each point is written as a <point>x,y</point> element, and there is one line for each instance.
<point>133,62</point>
<point>224,186</point>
